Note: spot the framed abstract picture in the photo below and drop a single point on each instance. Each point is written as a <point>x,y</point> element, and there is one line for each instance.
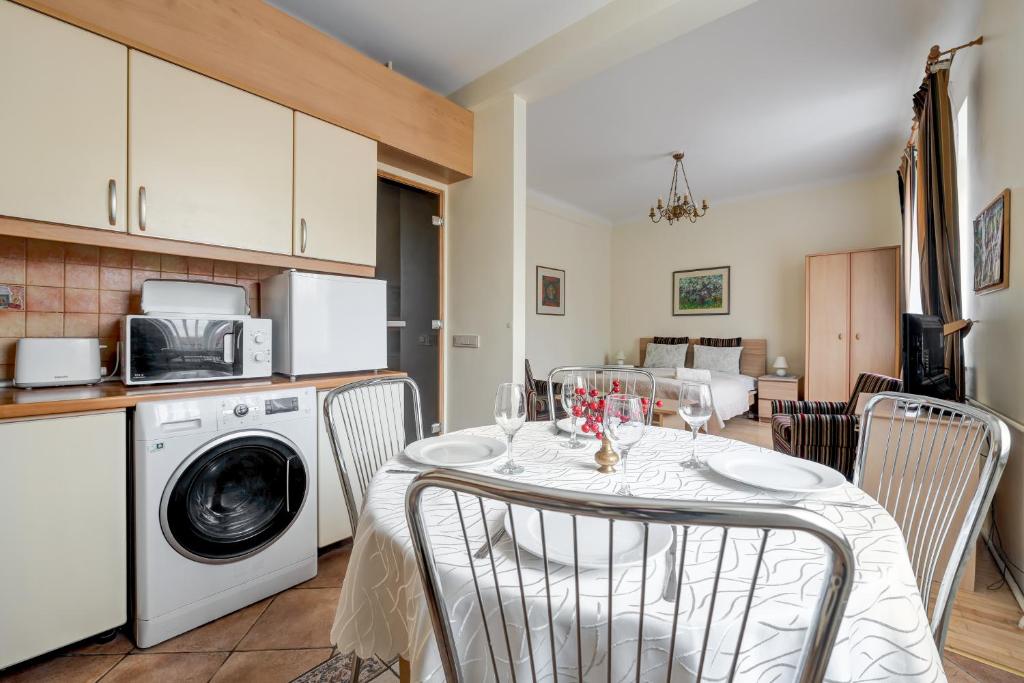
<point>701,292</point>
<point>992,246</point>
<point>550,291</point>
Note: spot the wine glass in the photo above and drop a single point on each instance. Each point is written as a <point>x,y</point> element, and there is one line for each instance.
<point>624,423</point>
<point>510,415</point>
<point>572,385</point>
<point>695,408</point>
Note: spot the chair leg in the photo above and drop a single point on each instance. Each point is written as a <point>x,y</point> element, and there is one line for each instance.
<point>357,664</point>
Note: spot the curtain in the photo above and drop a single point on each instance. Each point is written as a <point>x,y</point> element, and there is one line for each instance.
<point>938,233</point>
<point>907,181</point>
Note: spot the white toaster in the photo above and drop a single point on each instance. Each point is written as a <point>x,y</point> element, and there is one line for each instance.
<point>56,362</point>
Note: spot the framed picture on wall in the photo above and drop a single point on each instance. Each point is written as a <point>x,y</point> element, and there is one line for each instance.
<point>550,291</point>
<point>992,246</point>
<point>701,292</point>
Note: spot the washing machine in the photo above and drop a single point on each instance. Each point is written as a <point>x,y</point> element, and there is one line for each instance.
<point>225,505</point>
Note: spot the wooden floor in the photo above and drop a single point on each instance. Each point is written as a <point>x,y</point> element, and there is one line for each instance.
<point>984,643</point>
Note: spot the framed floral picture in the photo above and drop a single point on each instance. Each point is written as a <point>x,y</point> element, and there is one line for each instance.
<point>992,246</point>
<point>550,291</point>
<point>701,292</point>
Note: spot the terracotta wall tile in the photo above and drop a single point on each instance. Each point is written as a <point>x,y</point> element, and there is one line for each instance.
<point>115,278</point>
<point>110,326</point>
<point>81,300</point>
<point>248,271</point>
<point>225,279</point>
<point>12,271</point>
<point>200,266</point>
<point>197,276</point>
<point>114,302</point>
<point>7,345</point>
<point>12,247</point>
<point>6,372</point>
<point>81,324</point>
<point>81,276</point>
<point>46,273</point>
<point>225,269</point>
<point>44,299</point>
<point>41,250</point>
<point>12,323</point>
<point>82,253</point>
<point>173,264</point>
<point>143,260</point>
<point>44,324</point>
<point>115,258</point>
<point>140,276</point>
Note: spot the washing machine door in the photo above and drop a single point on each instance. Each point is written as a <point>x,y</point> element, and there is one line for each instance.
<point>234,496</point>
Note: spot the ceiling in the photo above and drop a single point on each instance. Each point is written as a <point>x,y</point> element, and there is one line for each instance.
<point>780,94</point>
<point>442,44</point>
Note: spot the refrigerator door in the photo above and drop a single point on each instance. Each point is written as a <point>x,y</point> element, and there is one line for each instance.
<point>338,324</point>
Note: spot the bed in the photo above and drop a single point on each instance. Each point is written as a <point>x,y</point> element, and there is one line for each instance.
<point>732,394</point>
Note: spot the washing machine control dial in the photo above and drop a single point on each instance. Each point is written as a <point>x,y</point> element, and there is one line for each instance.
<point>241,410</point>
<point>259,338</point>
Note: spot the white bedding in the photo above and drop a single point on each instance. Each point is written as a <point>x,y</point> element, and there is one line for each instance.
<point>729,392</point>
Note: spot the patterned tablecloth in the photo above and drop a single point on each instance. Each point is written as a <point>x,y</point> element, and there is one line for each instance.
<point>884,635</point>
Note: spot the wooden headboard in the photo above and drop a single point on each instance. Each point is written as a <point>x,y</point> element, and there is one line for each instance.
<point>753,358</point>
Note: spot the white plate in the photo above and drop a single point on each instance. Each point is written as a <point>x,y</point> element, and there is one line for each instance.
<point>592,539</point>
<point>776,472</point>
<point>565,425</point>
<point>455,450</point>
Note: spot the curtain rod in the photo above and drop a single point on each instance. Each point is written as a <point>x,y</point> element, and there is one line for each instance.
<point>934,55</point>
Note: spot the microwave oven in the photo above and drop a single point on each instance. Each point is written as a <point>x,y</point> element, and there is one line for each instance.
<point>195,348</point>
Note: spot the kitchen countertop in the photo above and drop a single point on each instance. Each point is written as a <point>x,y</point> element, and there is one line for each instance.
<point>112,395</point>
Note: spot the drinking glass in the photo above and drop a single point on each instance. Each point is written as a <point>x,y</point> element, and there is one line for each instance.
<point>624,423</point>
<point>510,415</point>
<point>570,397</point>
<point>695,408</point>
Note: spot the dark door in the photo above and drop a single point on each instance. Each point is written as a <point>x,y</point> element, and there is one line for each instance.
<point>235,498</point>
<point>408,257</point>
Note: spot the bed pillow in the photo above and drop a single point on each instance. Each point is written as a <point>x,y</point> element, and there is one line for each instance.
<point>671,340</point>
<point>692,375</point>
<point>717,358</point>
<point>665,356</point>
<point>720,341</point>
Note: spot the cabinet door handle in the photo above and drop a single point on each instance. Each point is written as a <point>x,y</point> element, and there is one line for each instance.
<point>302,236</point>
<point>112,201</point>
<point>857,336</point>
<point>840,336</point>
<point>142,208</point>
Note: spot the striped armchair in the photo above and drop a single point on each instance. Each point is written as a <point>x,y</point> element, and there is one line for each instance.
<point>825,431</point>
<point>537,398</point>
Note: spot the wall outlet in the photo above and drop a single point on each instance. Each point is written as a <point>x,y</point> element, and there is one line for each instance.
<point>466,341</point>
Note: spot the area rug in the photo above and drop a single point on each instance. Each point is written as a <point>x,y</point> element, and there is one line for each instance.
<point>338,669</point>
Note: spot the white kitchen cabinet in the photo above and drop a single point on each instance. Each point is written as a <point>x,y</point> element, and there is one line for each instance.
<point>335,214</point>
<point>63,122</point>
<point>333,523</point>
<point>63,531</point>
<point>209,163</point>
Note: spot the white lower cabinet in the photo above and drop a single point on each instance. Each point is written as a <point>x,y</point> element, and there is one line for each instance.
<point>63,531</point>
<point>333,524</point>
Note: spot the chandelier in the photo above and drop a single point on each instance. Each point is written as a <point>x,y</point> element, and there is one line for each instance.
<point>678,207</point>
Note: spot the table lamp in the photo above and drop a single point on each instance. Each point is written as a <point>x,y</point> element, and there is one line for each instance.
<point>780,366</point>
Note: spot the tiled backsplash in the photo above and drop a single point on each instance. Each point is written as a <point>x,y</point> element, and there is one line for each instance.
<point>74,290</point>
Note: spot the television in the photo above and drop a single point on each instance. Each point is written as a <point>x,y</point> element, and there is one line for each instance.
<point>924,357</point>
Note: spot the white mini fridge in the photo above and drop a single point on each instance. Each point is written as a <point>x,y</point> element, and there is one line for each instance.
<point>325,323</point>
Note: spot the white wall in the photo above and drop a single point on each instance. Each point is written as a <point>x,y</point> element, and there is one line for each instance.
<point>764,240</point>
<point>560,237</point>
<point>990,77</point>
<point>486,264</point>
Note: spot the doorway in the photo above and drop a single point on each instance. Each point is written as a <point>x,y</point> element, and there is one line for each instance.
<point>410,238</point>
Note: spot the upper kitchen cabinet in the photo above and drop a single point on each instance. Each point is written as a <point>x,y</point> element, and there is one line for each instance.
<point>63,122</point>
<point>335,214</point>
<point>209,163</point>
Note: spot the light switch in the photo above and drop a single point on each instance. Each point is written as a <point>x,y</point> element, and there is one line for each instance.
<point>466,341</point>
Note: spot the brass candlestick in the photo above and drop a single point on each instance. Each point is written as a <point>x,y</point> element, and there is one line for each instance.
<point>606,457</point>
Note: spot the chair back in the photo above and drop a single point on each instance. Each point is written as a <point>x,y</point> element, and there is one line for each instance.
<point>635,381</point>
<point>503,613</point>
<point>934,465</point>
<point>366,424</point>
<point>871,383</point>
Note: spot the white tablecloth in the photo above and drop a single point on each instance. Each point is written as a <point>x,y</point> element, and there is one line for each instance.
<point>884,635</point>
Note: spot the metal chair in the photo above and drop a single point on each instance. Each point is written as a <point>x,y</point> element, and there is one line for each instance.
<point>366,425</point>
<point>521,617</point>
<point>918,456</point>
<point>601,377</point>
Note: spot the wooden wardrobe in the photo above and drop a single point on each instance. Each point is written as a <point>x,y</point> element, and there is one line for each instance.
<point>852,319</point>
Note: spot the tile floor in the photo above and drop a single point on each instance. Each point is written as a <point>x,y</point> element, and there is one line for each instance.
<point>287,635</point>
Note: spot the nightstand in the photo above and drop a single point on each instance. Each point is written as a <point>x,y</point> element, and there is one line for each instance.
<point>775,388</point>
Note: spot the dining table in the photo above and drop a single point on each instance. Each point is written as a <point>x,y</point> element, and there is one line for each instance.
<point>884,634</point>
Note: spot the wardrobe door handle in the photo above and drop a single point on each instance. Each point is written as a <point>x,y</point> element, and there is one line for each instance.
<point>302,242</point>
<point>112,201</point>
<point>857,336</point>
<point>840,336</point>
<point>142,208</point>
